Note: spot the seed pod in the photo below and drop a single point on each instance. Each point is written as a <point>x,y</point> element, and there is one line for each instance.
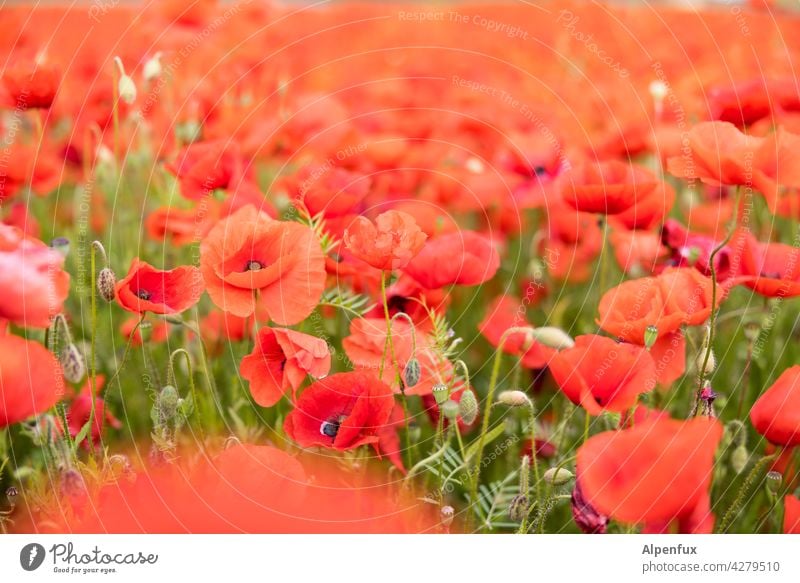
<point>468,407</point>
<point>513,399</point>
<point>450,410</point>
<point>774,481</point>
<point>72,364</point>
<point>11,494</point>
<point>412,372</point>
<point>558,476</point>
<point>168,402</point>
<point>650,336</point>
<point>440,393</point>
<point>518,507</point>
<point>553,337</point>
<point>739,458</point>
<point>106,282</point>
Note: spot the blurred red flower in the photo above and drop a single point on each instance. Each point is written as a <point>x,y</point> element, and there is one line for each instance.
<point>30,379</point>
<point>776,413</point>
<point>147,289</point>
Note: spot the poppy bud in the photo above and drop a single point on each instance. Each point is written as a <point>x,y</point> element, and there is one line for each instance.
<point>412,372</point>
<point>536,269</point>
<point>168,402</point>
<point>558,476</point>
<point>450,410</point>
<point>518,507</point>
<point>152,68</point>
<point>514,399</point>
<point>72,484</point>
<point>11,494</point>
<point>447,513</point>
<point>736,432</point>
<point>650,336</point>
<point>553,337</point>
<point>774,481</point>
<point>72,364</point>
<point>414,432</point>
<point>739,459</point>
<point>106,282</point>
<point>468,407</point>
<point>440,393</point>
<point>125,86</point>
<point>710,365</point>
<point>658,90</point>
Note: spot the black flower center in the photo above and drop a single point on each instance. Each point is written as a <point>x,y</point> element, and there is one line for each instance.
<point>330,428</point>
<point>143,294</point>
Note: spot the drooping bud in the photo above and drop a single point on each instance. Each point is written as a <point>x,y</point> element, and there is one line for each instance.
<point>558,476</point>
<point>774,481</point>
<point>650,336</point>
<point>125,86</point>
<point>468,407</point>
<point>168,402</point>
<point>447,514</point>
<point>152,68</point>
<point>514,399</point>
<point>106,283</point>
<point>440,393</point>
<point>72,363</point>
<point>553,337</point>
<point>450,410</point>
<point>739,458</point>
<point>518,507</point>
<point>412,372</point>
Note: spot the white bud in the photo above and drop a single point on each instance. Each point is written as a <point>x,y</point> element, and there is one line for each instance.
<point>558,476</point>
<point>658,90</point>
<point>152,68</point>
<point>513,399</point>
<point>552,337</point>
<point>125,86</point>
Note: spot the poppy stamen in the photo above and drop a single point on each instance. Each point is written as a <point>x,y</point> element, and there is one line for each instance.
<point>331,428</point>
<point>143,294</point>
<point>253,266</point>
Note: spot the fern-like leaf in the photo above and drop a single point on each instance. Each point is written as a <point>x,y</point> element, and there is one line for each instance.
<point>317,224</point>
<point>356,304</point>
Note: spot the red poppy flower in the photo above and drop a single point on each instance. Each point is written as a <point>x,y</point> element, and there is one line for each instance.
<point>158,331</point>
<point>694,250</point>
<point>408,296</point>
<point>251,263</point>
<point>331,192</point>
<point>390,243</point>
<point>609,188</point>
<point>507,312</point>
<point>30,379</point>
<point>281,360</point>
<point>471,259</point>
<point>219,327</point>
<point>791,515</point>
<point>203,167</point>
<point>147,289</point>
<point>365,347</point>
<point>770,269</point>
<point>603,375</point>
<point>31,85</point>
<point>722,154</point>
<point>80,410</point>
<point>746,102</point>
<point>37,167</point>
<point>776,413</point>
<point>655,472</point>
<point>573,242</point>
<point>343,411</point>
<point>637,252</point>
<point>181,226</point>
<point>32,278</point>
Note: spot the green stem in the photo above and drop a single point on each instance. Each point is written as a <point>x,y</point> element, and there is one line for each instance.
<point>755,475</point>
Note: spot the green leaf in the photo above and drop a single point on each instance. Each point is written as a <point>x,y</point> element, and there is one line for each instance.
<point>490,437</point>
<point>81,435</point>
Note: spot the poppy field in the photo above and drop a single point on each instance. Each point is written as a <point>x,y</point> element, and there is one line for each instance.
<point>528,267</point>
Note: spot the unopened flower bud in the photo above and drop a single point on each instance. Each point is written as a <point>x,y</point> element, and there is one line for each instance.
<point>152,68</point>
<point>72,364</point>
<point>447,513</point>
<point>125,86</point>
<point>11,494</point>
<point>518,507</point>
<point>168,402</point>
<point>737,432</point>
<point>72,484</point>
<point>658,90</point>
<point>106,283</point>
<point>710,364</point>
<point>468,407</point>
<point>513,399</point>
<point>450,410</point>
<point>558,476</point>
<point>739,459</point>
<point>412,372</point>
<point>774,481</point>
<point>553,337</point>
<point>440,393</point>
<point>650,336</point>
<point>414,432</point>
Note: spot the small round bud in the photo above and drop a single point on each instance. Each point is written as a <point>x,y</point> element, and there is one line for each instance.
<point>739,459</point>
<point>650,336</point>
<point>468,407</point>
<point>440,393</point>
<point>710,365</point>
<point>168,402</point>
<point>552,337</point>
<point>513,399</point>
<point>152,68</point>
<point>774,481</point>
<point>72,364</point>
<point>518,507</point>
<point>447,513</point>
<point>558,476</point>
<point>412,372</point>
<point>106,283</point>
<point>450,410</point>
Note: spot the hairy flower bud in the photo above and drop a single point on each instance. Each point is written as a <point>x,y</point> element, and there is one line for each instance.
<point>106,282</point>
<point>553,337</point>
<point>513,399</point>
<point>518,507</point>
<point>168,402</point>
<point>450,410</point>
<point>125,86</point>
<point>468,407</point>
<point>152,68</point>
<point>739,458</point>
<point>558,476</point>
<point>412,372</point>
<point>72,364</point>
